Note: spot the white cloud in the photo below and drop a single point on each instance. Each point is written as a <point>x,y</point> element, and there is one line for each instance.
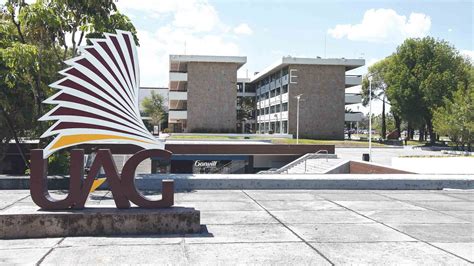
<point>194,24</point>
<point>468,53</point>
<point>384,25</point>
<point>195,15</point>
<point>243,28</point>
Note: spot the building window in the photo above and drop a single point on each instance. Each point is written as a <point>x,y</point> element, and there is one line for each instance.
<point>240,87</point>
<point>277,91</point>
<point>272,109</point>
<point>285,107</point>
<point>272,93</point>
<point>285,127</point>
<point>277,108</point>
<point>284,89</point>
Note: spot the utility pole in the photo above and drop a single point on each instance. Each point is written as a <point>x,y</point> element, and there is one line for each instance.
<point>370,118</point>
<point>298,97</point>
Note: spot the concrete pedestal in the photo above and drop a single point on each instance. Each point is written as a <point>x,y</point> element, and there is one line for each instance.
<point>29,222</point>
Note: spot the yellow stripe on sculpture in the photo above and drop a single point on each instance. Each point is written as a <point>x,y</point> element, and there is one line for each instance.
<point>66,141</point>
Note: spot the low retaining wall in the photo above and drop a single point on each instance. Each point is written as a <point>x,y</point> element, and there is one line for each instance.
<point>185,182</point>
<point>29,222</point>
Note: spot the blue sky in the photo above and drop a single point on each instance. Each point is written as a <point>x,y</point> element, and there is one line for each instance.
<point>266,30</point>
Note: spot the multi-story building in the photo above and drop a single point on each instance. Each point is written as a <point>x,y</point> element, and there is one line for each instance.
<point>202,93</point>
<point>320,86</point>
<point>206,96</point>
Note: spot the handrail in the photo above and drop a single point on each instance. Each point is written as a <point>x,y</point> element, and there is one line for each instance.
<point>298,161</point>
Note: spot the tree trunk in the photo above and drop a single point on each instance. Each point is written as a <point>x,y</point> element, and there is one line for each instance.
<point>15,136</point>
<point>431,132</point>
<point>398,124</point>
<point>384,123</point>
<point>409,131</point>
<point>422,134</point>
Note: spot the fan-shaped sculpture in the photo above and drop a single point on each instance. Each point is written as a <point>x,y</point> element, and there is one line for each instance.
<point>98,98</point>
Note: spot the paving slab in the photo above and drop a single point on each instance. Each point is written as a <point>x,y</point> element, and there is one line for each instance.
<point>361,196</point>
<point>254,254</point>
<point>420,196</point>
<point>220,205</point>
<point>236,217</point>
<point>99,241</point>
<point>111,255</point>
<point>464,215</point>
<point>378,205</point>
<point>411,217</point>
<point>315,205</point>
<point>465,250</point>
<point>462,196</point>
<point>247,233</point>
<point>447,233</point>
<point>199,196</point>
<point>446,205</point>
<point>288,195</point>
<point>348,233</point>
<point>9,197</point>
<point>320,217</point>
<point>387,253</point>
<point>28,243</point>
<point>22,256</point>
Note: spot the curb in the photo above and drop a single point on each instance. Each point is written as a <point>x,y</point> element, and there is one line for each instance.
<point>283,181</point>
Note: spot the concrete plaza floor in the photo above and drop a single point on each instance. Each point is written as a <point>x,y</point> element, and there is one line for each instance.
<point>318,227</point>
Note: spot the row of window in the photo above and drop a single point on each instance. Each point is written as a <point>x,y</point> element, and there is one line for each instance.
<point>270,94</point>
<point>273,109</point>
<point>248,87</point>
<point>273,127</point>
<point>272,77</point>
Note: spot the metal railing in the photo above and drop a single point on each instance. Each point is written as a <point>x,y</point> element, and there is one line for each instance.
<point>304,158</point>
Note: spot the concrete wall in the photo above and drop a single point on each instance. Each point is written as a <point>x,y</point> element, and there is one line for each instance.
<point>369,168</point>
<point>272,161</point>
<point>212,96</point>
<point>322,108</point>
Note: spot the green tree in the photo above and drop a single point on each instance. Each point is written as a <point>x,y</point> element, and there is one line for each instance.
<point>423,73</point>
<point>379,72</point>
<point>456,118</point>
<point>246,111</point>
<point>34,40</point>
<point>153,107</point>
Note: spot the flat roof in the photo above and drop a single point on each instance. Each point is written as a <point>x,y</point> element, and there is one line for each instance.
<point>288,60</point>
<point>240,60</point>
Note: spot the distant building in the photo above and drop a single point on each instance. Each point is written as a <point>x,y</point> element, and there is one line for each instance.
<point>202,93</point>
<point>206,96</point>
<point>321,84</point>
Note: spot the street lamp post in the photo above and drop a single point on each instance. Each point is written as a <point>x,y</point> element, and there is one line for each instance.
<point>298,97</point>
<point>370,118</point>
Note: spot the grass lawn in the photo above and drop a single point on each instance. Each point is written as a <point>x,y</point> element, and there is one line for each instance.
<point>337,143</point>
<point>204,137</point>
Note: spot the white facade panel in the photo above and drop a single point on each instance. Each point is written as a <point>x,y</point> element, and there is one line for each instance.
<point>353,80</point>
<point>174,115</point>
<point>353,117</point>
<point>178,76</point>
<point>246,94</point>
<point>352,98</point>
<point>178,95</point>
